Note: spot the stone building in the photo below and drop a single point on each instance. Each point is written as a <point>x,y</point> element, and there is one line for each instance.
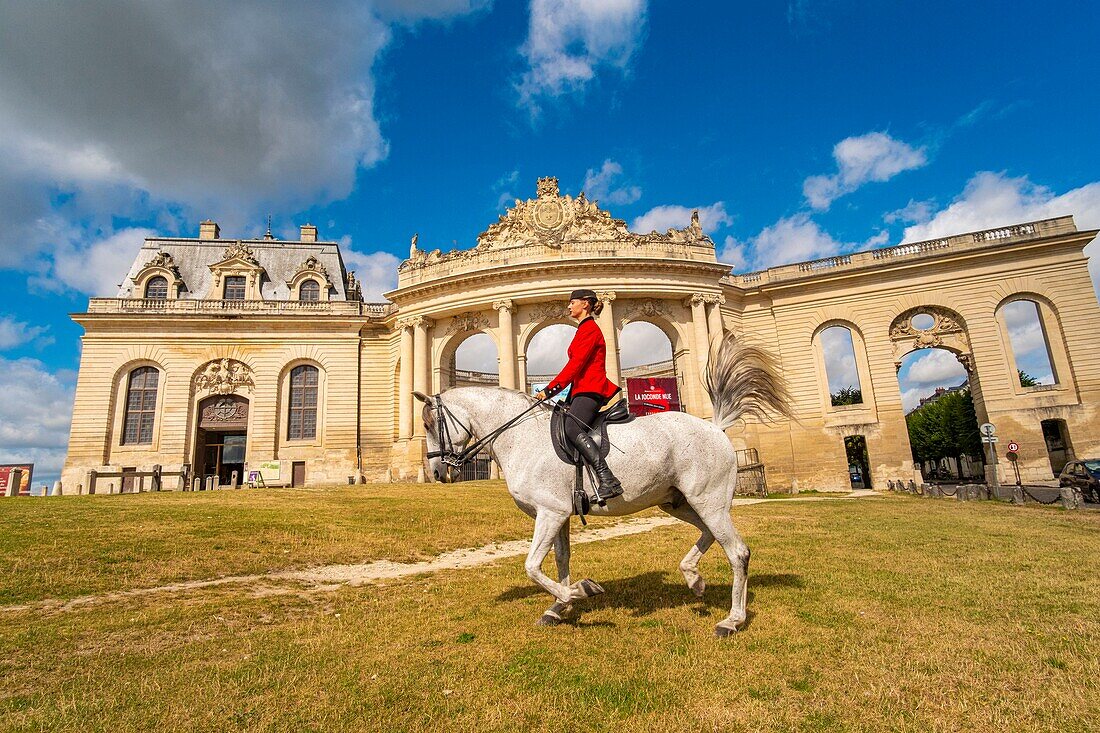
<point>221,356</point>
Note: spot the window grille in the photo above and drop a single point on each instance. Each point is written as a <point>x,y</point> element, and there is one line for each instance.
<point>234,287</point>
<point>141,405</point>
<point>302,419</point>
<point>157,288</point>
<point>309,290</point>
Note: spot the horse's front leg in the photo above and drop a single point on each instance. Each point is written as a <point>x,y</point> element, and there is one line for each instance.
<point>559,611</point>
<point>548,524</point>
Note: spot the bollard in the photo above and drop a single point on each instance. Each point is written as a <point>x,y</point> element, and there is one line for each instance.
<point>1017,495</point>
<point>90,481</point>
<point>1070,497</point>
<point>209,483</point>
<point>110,487</point>
<point>15,478</point>
<point>56,489</point>
<point>960,493</point>
<point>196,484</point>
<point>233,480</point>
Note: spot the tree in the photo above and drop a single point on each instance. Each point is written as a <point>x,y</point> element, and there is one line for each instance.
<point>945,428</point>
<point>1026,380</point>
<point>847,396</point>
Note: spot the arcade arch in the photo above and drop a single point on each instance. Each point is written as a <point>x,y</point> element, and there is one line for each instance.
<point>467,359</point>
<point>544,353</point>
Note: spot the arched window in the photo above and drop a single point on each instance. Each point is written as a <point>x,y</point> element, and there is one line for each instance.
<point>157,288</point>
<point>840,366</point>
<point>141,405</point>
<point>1030,346</point>
<point>302,420</point>
<point>309,290</point>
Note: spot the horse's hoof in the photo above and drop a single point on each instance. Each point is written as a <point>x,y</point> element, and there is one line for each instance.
<point>590,588</point>
<point>722,632</point>
<point>698,587</point>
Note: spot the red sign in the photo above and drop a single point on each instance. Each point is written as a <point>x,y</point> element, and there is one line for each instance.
<point>652,394</point>
<point>24,483</point>
<point>1014,447</point>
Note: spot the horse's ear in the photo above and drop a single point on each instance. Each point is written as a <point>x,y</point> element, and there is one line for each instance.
<point>421,396</point>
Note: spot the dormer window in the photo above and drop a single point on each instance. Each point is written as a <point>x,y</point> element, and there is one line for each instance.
<point>310,290</point>
<point>157,288</point>
<point>234,287</point>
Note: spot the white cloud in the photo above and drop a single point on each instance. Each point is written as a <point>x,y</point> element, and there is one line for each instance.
<point>478,353</point>
<point>38,432</point>
<point>16,333</point>
<point>643,343</point>
<point>227,110</point>
<point>599,185</point>
<point>840,358</point>
<point>504,188</point>
<point>914,212</point>
<point>95,269</point>
<point>671,216</point>
<point>994,199</point>
<point>793,239</point>
<point>568,40</point>
<point>861,159</point>
<point>546,350</point>
<point>376,271</point>
<point>735,254</point>
<point>937,367</point>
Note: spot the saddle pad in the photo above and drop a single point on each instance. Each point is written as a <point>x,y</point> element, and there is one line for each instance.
<point>565,450</point>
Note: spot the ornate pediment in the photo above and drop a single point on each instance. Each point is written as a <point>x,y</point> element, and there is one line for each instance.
<point>241,252</point>
<point>555,221</point>
<point>224,376</point>
<point>161,261</point>
<point>552,219</point>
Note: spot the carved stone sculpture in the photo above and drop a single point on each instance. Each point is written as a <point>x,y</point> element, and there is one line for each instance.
<point>224,376</point>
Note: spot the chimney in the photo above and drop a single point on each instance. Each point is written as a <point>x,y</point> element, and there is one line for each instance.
<point>309,233</point>
<point>208,230</point>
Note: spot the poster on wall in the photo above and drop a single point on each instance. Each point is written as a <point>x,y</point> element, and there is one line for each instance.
<point>24,483</point>
<point>652,394</point>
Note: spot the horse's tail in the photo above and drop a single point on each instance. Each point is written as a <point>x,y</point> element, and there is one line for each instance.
<point>743,379</point>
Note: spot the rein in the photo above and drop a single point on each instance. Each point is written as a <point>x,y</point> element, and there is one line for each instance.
<point>447,452</point>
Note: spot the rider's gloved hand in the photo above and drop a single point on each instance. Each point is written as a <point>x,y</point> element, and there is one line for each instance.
<point>540,395</point>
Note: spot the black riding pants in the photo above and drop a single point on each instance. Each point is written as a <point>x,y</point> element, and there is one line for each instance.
<point>582,411</point>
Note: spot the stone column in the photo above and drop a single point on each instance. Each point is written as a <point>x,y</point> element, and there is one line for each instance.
<point>421,364</point>
<point>715,329</point>
<point>610,336</point>
<point>507,342</point>
<point>702,341</point>
<point>405,382</point>
<point>521,372</point>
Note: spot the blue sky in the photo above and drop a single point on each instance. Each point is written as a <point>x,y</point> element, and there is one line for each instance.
<point>801,129</point>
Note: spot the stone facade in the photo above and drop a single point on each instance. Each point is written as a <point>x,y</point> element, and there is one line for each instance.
<point>369,358</point>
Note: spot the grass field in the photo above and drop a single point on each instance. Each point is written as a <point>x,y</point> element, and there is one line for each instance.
<point>894,613</point>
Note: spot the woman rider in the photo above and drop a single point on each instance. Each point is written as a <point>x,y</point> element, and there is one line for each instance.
<point>591,389</point>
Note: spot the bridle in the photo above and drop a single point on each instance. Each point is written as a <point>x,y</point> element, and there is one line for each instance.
<point>457,457</point>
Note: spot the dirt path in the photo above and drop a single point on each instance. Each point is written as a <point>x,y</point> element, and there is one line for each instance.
<point>332,577</point>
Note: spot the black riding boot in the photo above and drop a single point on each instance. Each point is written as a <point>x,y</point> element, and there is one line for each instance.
<point>609,486</point>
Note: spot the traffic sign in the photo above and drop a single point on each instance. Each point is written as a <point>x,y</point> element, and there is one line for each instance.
<point>990,439</point>
<point>1011,455</point>
<point>988,429</point>
<point>1014,447</point>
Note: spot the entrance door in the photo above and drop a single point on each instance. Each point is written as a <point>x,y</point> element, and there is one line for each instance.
<point>1059,450</point>
<point>222,437</point>
<point>298,473</point>
<point>859,463</point>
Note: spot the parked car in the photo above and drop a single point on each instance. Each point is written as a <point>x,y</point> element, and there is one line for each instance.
<point>1084,475</point>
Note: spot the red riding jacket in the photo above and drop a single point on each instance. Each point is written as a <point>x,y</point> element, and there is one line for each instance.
<point>585,371</point>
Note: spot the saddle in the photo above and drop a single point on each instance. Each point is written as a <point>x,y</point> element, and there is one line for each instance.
<point>616,413</point>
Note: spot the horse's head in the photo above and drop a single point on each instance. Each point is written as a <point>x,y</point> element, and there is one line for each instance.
<point>445,427</point>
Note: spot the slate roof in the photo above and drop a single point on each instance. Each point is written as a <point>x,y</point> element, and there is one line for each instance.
<point>279,259</point>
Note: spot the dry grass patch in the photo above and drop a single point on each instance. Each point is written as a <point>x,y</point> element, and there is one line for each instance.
<point>898,614</point>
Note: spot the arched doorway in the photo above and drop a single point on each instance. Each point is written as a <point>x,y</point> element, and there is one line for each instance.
<point>469,359</point>
<point>222,438</point>
<point>545,355</point>
<point>941,395</point>
<point>651,378</point>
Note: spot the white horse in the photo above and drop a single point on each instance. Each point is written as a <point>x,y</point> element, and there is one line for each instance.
<point>672,460</point>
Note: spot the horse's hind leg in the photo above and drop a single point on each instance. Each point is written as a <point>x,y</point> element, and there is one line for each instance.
<point>559,611</point>
<point>721,526</point>
<point>689,566</point>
